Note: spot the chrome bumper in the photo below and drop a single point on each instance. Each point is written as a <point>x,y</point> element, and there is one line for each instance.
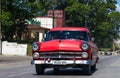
<point>62,62</point>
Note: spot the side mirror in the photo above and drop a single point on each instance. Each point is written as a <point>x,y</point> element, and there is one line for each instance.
<point>43,40</point>
<point>92,39</point>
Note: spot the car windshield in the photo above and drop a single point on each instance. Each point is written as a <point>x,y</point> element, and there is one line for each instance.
<point>80,35</point>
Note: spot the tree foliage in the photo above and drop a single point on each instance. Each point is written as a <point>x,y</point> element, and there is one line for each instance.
<point>97,15</point>
<point>14,13</point>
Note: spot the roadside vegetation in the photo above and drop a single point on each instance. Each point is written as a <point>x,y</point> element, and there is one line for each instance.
<point>29,50</point>
<point>100,16</point>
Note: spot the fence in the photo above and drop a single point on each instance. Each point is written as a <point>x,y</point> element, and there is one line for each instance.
<point>12,48</point>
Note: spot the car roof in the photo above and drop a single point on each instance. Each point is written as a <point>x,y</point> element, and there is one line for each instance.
<point>70,29</point>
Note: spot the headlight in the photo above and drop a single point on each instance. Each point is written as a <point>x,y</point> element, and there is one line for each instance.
<point>36,55</point>
<point>84,55</point>
<point>85,46</point>
<point>35,46</point>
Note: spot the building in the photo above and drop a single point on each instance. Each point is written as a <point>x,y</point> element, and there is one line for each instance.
<point>59,17</point>
<point>38,26</point>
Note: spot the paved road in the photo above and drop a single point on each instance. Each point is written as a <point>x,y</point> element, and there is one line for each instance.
<point>10,60</point>
<point>108,67</point>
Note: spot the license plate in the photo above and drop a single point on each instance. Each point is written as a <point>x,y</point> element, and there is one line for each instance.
<point>59,62</point>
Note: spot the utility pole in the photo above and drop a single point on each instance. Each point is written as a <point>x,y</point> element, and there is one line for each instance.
<point>0,32</point>
<point>53,8</point>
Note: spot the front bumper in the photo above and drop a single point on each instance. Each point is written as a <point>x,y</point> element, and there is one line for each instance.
<point>62,62</point>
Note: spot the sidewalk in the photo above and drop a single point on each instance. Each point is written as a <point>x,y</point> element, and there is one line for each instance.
<point>10,60</point>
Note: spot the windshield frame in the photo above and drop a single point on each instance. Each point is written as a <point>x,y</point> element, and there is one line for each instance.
<point>66,32</point>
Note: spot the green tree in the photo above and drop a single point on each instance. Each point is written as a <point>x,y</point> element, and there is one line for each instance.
<point>97,15</point>
<point>14,13</point>
<point>7,21</point>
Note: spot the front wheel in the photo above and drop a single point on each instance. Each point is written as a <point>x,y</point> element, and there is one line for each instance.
<point>93,67</point>
<point>56,69</point>
<point>87,69</point>
<point>39,69</point>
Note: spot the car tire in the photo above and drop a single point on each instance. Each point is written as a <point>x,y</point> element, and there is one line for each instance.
<point>39,69</point>
<point>56,69</point>
<point>93,67</point>
<point>87,70</point>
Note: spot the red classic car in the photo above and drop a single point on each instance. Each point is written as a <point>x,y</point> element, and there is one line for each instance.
<point>65,47</point>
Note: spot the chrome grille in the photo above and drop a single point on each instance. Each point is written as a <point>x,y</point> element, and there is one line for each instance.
<point>61,55</point>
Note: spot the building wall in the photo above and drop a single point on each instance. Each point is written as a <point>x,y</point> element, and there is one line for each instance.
<point>12,48</point>
<point>59,22</point>
<point>37,31</point>
<point>37,34</point>
<point>46,22</point>
<point>41,35</point>
<point>59,17</point>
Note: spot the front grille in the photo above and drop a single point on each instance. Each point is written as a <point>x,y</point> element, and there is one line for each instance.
<point>57,55</point>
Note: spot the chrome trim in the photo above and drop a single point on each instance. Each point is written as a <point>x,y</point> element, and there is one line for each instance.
<point>65,62</point>
<point>85,46</point>
<point>36,55</point>
<point>61,55</point>
<point>35,46</point>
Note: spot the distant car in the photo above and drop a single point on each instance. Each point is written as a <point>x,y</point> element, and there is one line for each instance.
<point>65,47</point>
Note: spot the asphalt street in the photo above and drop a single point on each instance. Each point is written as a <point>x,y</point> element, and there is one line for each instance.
<point>20,67</point>
<point>10,60</point>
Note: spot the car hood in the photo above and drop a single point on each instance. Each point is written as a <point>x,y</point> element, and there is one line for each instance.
<point>61,45</point>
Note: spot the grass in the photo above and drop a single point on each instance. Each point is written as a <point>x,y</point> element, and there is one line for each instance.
<point>29,50</point>
<point>104,49</point>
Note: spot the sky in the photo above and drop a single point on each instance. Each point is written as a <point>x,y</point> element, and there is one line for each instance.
<point>118,5</point>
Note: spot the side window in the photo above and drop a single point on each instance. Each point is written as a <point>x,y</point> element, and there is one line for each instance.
<point>88,36</point>
<point>85,36</point>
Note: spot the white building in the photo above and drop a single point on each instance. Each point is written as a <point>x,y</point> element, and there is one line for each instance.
<point>38,26</point>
